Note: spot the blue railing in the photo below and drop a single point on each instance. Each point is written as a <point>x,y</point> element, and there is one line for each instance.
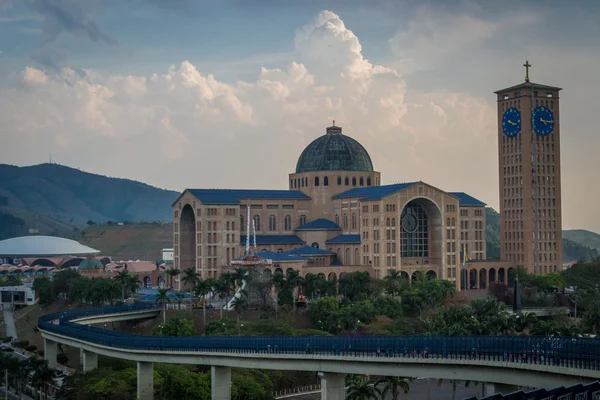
<point>561,351</point>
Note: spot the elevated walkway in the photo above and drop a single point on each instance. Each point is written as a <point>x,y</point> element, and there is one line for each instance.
<point>523,361</point>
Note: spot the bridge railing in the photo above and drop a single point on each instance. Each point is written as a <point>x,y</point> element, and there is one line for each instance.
<point>561,351</point>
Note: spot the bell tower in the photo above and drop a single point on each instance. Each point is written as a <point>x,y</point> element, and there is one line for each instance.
<point>529,172</point>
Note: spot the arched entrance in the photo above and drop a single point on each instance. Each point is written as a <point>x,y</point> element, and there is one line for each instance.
<point>161,282</point>
<point>501,275</point>
<point>404,275</point>
<point>492,276</point>
<point>510,280</point>
<point>332,276</point>
<point>431,274</point>
<point>147,282</point>
<point>187,238</point>
<point>473,279</point>
<point>464,276</point>
<point>421,227</point>
<point>266,274</point>
<point>482,278</point>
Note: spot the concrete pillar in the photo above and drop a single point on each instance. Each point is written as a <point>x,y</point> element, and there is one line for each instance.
<point>493,388</point>
<point>145,380</point>
<point>220,383</point>
<point>90,360</point>
<point>50,352</point>
<point>333,386</point>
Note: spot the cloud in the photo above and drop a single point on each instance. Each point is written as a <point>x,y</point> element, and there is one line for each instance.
<point>52,57</point>
<point>183,127</point>
<point>69,15</point>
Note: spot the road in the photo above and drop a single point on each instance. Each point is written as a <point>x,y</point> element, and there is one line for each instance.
<point>419,390</point>
<point>11,330</point>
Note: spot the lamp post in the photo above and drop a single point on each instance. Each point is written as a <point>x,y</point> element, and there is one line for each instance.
<point>321,322</point>
<point>240,329</point>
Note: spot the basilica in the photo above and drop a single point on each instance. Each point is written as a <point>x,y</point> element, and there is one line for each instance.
<point>337,217</point>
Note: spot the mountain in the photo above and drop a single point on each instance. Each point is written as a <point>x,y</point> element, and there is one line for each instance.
<point>577,244</point>
<point>581,236</point>
<point>77,196</point>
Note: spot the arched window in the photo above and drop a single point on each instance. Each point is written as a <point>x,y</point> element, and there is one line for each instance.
<point>362,181</point>
<point>233,226</point>
<point>306,181</point>
<point>339,180</point>
<point>256,220</point>
<point>291,183</point>
<point>353,181</point>
<point>288,223</point>
<point>280,250</point>
<point>453,222</point>
<point>302,220</point>
<point>356,256</point>
<point>353,221</point>
<point>345,221</point>
<point>368,181</point>
<point>316,181</point>
<point>346,181</point>
<point>337,219</point>
<point>393,221</point>
<point>242,224</point>
<point>227,225</point>
<point>326,181</point>
<point>347,260</point>
<point>387,222</point>
<point>447,221</point>
<point>272,223</point>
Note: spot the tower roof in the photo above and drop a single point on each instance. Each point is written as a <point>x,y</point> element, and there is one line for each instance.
<point>334,151</point>
<point>527,85</point>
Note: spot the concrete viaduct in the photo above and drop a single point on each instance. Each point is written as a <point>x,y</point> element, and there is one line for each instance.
<point>500,374</point>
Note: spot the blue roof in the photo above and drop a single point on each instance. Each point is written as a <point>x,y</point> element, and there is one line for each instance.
<point>373,192</point>
<point>466,200</point>
<point>320,224</point>
<point>347,239</point>
<point>310,251</point>
<point>173,296</point>
<point>233,196</point>
<point>281,257</point>
<point>273,239</point>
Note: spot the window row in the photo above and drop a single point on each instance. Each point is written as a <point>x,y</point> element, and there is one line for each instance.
<point>287,222</point>
<point>345,181</point>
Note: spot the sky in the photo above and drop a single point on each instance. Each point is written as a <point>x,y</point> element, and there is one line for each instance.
<point>199,94</point>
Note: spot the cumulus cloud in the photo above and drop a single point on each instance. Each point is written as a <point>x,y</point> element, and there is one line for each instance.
<point>185,128</point>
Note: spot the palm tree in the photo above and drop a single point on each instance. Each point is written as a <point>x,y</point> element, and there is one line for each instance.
<point>239,275</point>
<point>393,385</point>
<point>362,389</point>
<point>222,287</point>
<point>591,317</point>
<point>294,281</point>
<point>162,298</point>
<point>190,279</point>
<point>202,289</point>
<point>133,283</point>
<point>42,375</point>
<point>393,281</point>
<point>240,304</point>
<point>122,279</point>
<point>173,272</point>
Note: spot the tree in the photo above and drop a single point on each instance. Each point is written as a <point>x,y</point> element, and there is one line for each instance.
<point>43,288</point>
<point>591,317</point>
<point>239,275</point>
<point>172,273</point>
<point>362,389</point>
<point>240,304</point>
<point>222,287</point>
<point>122,280</point>
<point>393,385</point>
<point>394,281</point>
<point>175,326</point>
<point>42,375</point>
<point>190,279</point>
<point>202,289</point>
<point>162,298</point>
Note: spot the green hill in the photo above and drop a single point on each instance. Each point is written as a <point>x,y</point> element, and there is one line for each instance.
<point>76,196</point>
<point>581,236</point>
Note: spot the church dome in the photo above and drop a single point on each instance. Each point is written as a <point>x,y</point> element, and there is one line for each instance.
<point>334,152</point>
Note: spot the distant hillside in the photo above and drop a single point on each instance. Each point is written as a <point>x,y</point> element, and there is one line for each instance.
<point>581,236</point>
<point>19,222</point>
<point>577,244</point>
<point>128,242</point>
<point>77,196</point>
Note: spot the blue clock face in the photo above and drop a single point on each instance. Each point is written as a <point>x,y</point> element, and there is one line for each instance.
<point>543,120</point>
<point>511,122</point>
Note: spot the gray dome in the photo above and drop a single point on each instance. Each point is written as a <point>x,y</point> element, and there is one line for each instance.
<point>334,152</point>
<point>43,246</point>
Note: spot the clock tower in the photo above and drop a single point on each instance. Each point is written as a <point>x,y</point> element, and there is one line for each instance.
<point>529,169</point>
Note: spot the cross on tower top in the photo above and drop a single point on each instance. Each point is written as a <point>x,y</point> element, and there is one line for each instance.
<point>527,65</point>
